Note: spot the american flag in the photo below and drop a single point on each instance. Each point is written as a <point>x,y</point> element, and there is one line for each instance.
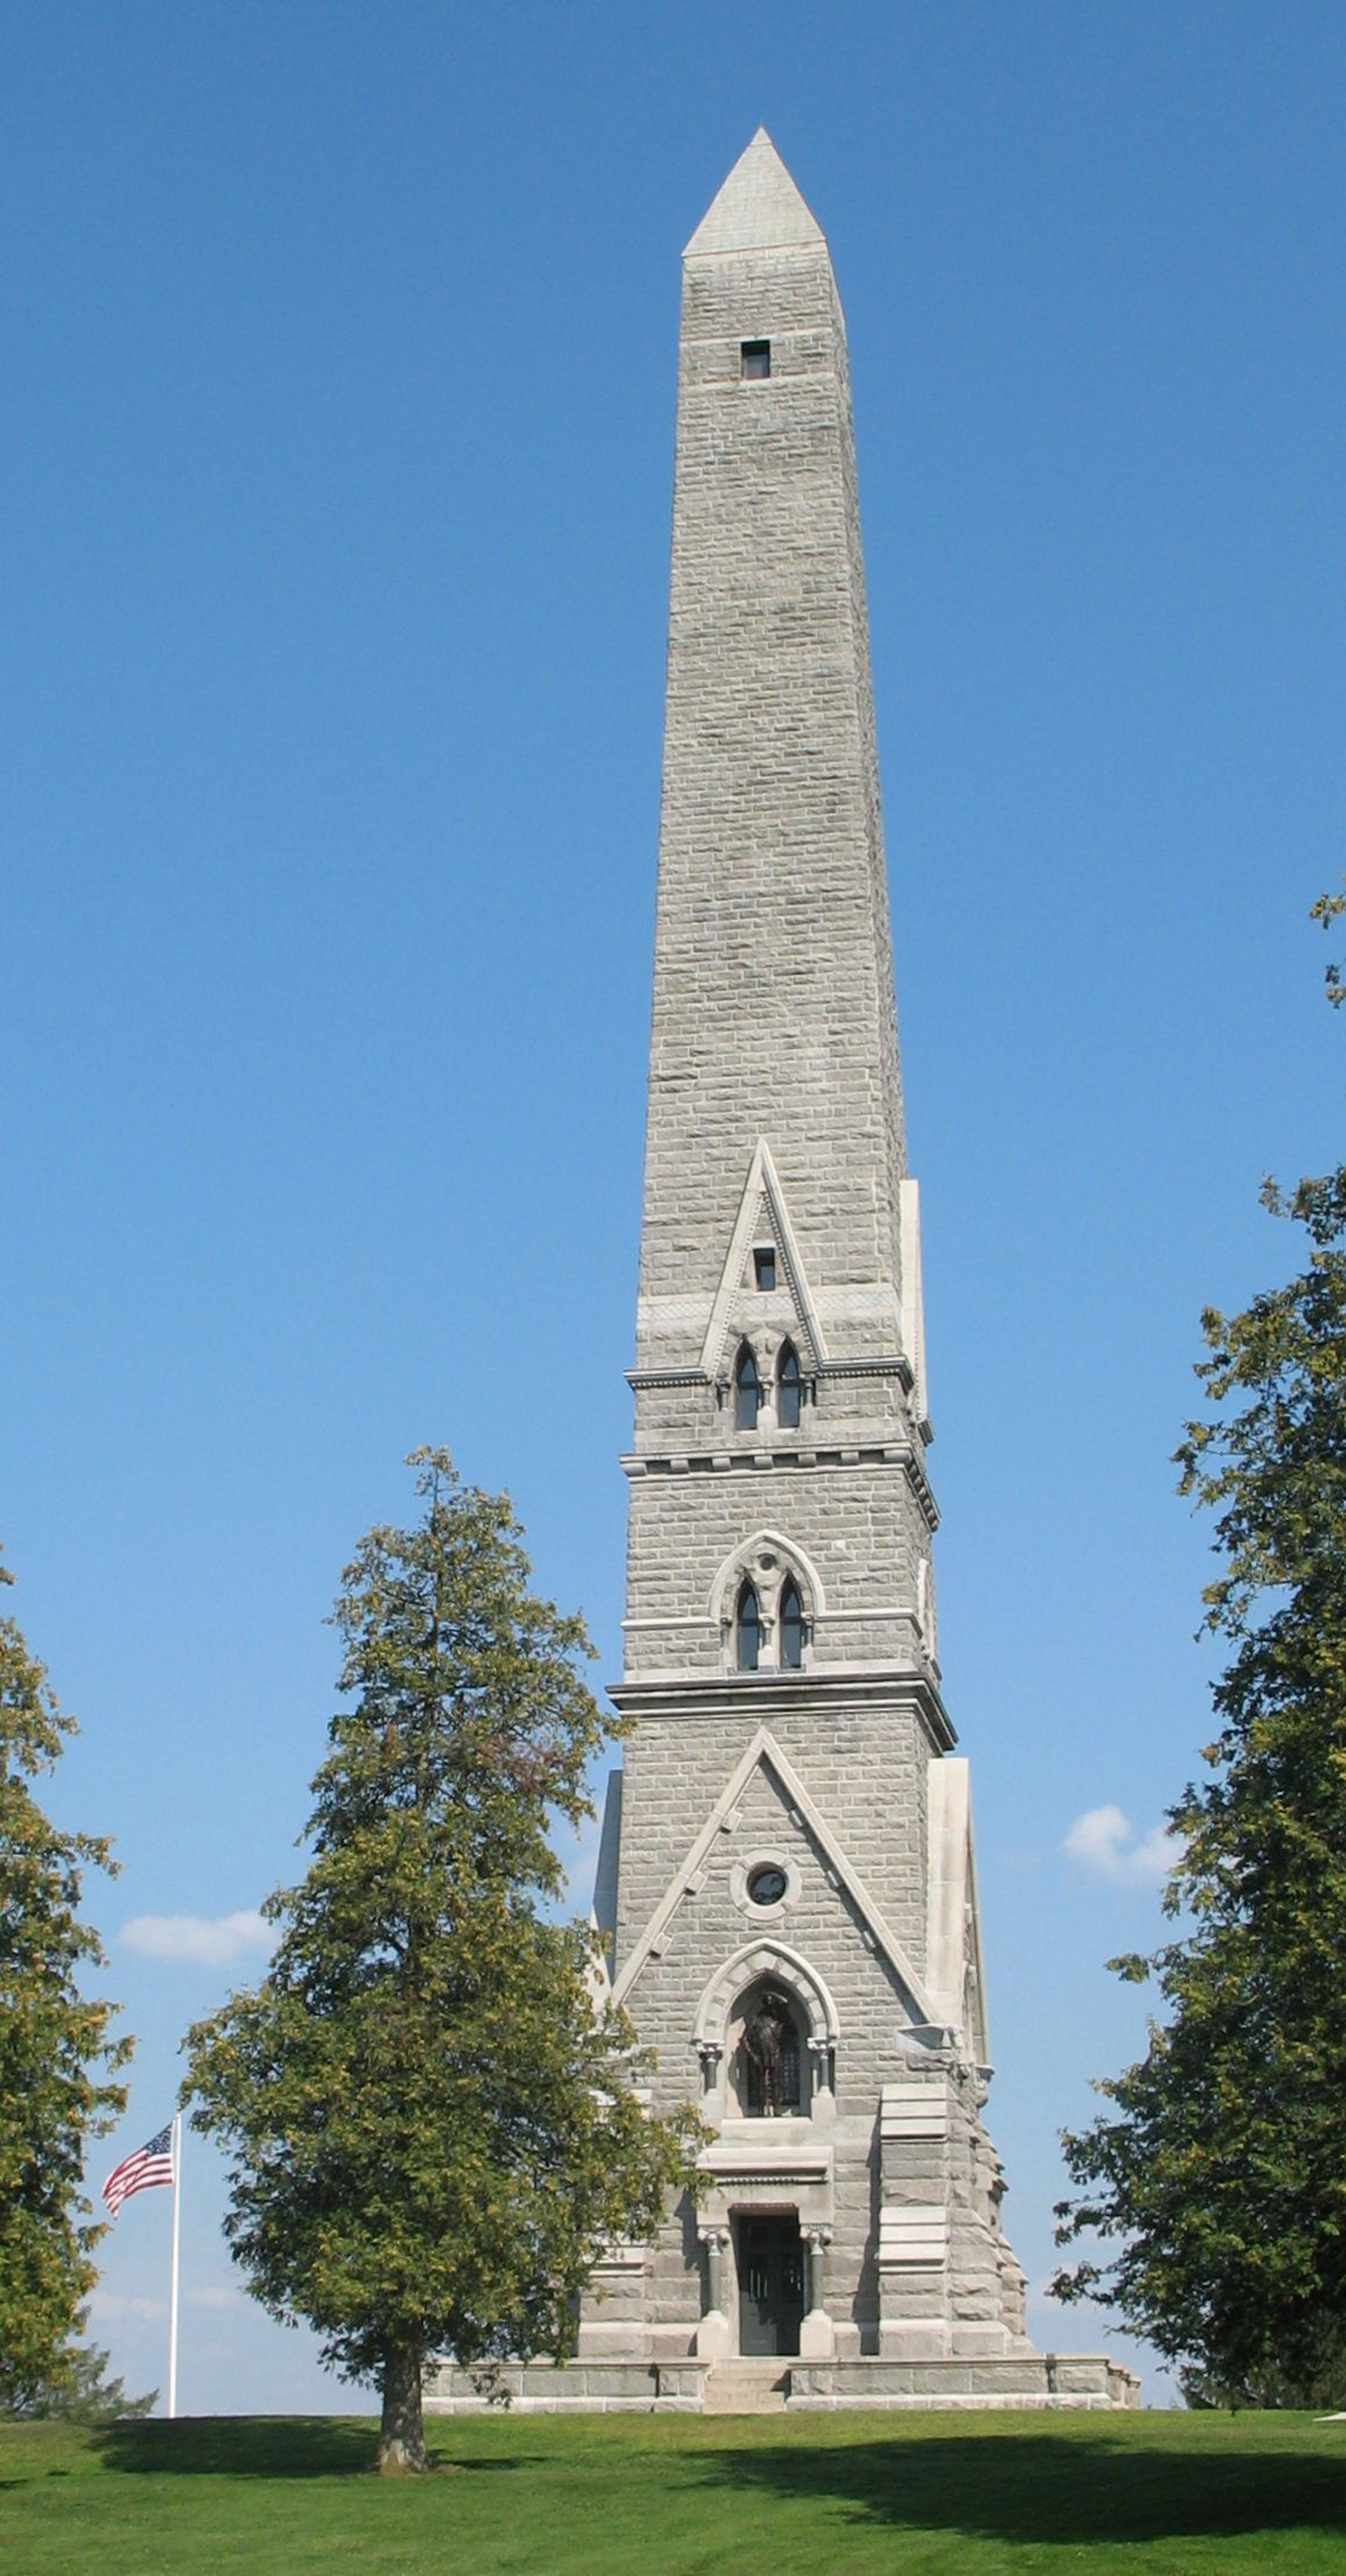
<point>150,2164</point>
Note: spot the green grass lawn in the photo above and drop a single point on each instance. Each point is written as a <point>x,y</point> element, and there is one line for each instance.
<point>684,2495</point>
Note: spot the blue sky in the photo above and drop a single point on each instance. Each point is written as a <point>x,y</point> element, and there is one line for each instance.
<point>337,417</point>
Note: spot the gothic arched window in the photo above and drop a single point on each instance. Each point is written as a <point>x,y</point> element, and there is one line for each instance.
<point>788,1388</point>
<point>747,1390</point>
<point>747,1630</point>
<point>791,1616</point>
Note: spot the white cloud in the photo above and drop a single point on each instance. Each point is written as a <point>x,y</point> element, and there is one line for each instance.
<point>114,2307</point>
<point>198,1940</point>
<point>122,2307</point>
<point>1104,1841</point>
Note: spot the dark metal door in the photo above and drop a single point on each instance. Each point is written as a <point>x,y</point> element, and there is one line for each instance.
<point>770,2285</point>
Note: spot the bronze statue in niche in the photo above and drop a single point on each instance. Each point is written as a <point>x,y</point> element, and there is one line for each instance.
<point>771,2056</point>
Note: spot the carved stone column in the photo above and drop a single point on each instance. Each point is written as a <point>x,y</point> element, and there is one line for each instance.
<point>817,2337</point>
<point>712,2333</point>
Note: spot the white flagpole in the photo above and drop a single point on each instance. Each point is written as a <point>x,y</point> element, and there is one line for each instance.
<point>173,2269</point>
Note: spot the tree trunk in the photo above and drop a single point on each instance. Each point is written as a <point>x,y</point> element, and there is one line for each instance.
<point>401,2438</point>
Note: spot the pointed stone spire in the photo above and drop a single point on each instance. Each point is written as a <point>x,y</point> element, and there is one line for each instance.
<point>758,208</point>
<point>773,1002</point>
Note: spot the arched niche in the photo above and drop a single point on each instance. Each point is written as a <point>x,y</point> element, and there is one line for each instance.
<point>758,1969</point>
<point>765,1959</point>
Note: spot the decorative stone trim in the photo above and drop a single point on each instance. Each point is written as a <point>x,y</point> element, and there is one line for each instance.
<point>762,1183</point>
<point>620,2260</point>
<point>766,1957</point>
<point>811,1460</point>
<point>913,2233</point>
<point>889,1687</point>
<point>787,1557</point>
<point>914,2111</point>
<point>789,2167</point>
<point>742,1871</point>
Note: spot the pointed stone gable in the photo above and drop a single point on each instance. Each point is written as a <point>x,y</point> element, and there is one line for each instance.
<point>763,1219</point>
<point>765,1754</point>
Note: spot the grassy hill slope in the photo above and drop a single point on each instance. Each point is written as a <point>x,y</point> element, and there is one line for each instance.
<point>680,2496</point>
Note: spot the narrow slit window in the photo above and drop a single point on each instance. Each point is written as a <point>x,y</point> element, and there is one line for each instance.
<point>747,1630</point>
<point>764,1265</point>
<point>788,1388</point>
<point>791,1627</point>
<point>756,360</point>
<point>747,1391</point>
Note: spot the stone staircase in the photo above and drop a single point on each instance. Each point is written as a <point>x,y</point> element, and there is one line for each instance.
<point>746,2388</point>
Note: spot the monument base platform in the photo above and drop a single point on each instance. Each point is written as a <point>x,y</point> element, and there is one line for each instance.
<point>1046,2382</point>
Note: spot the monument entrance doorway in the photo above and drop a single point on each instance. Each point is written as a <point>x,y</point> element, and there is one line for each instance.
<point>770,2283</point>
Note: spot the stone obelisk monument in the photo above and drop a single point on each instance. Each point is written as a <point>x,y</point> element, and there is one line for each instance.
<point>787,1888</point>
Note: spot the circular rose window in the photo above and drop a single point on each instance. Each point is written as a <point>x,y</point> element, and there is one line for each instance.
<point>767,1885</point>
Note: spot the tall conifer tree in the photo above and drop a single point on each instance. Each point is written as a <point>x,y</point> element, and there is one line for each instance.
<point>432,2130</point>
<point>1219,2174</point>
<point>56,2059</point>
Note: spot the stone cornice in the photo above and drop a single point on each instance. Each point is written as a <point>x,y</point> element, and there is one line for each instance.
<point>894,1364</point>
<point>842,1453</point>
<point>766,1696</point>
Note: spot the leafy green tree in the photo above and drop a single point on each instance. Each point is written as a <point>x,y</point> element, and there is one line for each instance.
<point>56,2059</point>
<point>82,2392</point>
<point>1217,2180</point>
<point>431,2128</point>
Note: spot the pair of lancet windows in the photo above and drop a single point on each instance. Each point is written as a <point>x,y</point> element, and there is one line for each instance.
<point>748,1388</point>
<point>748,1627</point>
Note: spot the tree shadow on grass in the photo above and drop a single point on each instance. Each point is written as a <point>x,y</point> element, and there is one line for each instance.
<point>258,2446</point>
<point>242,2446</point>
<point>1041,2487</point>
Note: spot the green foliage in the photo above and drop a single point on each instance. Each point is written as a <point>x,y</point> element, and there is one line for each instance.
<point>82,2392</point>
<point>1330,907</point>
<point>431,2129</point>
<point>55,2055</point>
<point>1221,2175</point>
<point>1316,2379</point>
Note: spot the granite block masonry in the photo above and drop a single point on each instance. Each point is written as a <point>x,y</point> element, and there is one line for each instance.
<point>787,1887</point>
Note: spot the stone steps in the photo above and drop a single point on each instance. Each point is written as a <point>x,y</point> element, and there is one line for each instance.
<point>746,2388</point>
